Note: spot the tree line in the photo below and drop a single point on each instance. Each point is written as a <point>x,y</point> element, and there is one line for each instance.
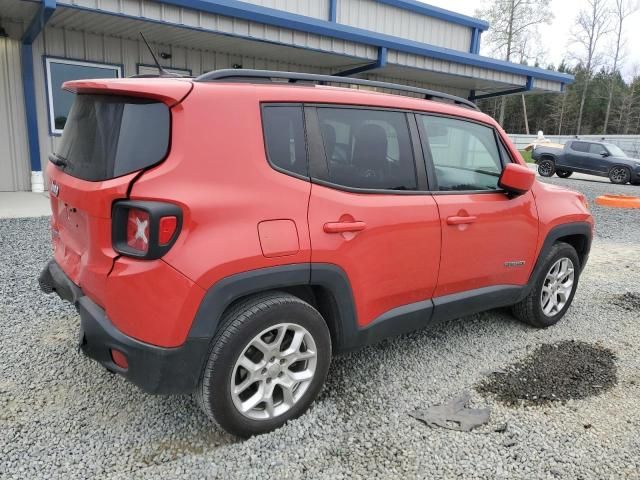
<point>600,101</point>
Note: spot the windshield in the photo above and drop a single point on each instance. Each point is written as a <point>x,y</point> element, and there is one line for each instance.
<point>615,150</point>
<point>107,136</point>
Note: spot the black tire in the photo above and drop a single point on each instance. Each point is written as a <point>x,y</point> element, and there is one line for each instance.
<point>635,182</point>
<point>564,173</point>
<point>619,175</point>
<point>530,309</point>
<point>239,325</point>
<point>546,167</point>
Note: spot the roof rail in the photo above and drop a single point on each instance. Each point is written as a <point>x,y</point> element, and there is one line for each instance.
<point>293,77</point>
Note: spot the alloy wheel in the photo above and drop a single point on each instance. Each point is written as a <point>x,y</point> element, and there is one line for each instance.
<point>557,287</point>
<point>273,371</point>
<point>618,175</point>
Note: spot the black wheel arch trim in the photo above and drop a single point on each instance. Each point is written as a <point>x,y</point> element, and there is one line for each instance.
<point>581,229</point>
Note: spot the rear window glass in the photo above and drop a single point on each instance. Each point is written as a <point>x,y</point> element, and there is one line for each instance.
<point>284,138</point>
<point>108,136</point>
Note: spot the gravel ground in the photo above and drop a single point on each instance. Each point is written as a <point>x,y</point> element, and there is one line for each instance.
<point>63,416</point>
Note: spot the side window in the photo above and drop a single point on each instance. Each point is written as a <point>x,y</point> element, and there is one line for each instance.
<point>580,146</point>
<point>367,148</point>
<point>597,149</point>
<point>465,154</point>
<point>284,138</point>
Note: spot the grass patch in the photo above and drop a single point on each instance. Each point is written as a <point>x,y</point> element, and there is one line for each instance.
<point>527,156</point>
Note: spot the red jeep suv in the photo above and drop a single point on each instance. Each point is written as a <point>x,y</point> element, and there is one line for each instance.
<point>225,235</point>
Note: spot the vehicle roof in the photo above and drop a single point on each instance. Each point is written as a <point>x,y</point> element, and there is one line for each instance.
<point>172,90</point>
<point>313,93</point>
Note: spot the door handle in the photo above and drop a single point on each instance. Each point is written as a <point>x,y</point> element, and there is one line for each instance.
<point>461,220</point>
<point>342,227</point>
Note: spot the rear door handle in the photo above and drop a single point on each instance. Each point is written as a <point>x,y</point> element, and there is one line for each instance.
<point>461,220</point>
<point>342,227</point>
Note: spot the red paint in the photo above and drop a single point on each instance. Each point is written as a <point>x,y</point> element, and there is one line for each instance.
<point>517,178</point>
<point>278,238</point>
<point>240,214</point>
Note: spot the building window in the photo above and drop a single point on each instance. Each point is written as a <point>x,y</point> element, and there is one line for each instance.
<point>59,71</point>
<point>153,70</point>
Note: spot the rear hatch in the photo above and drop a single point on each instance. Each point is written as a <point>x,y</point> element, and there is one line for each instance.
<point>115,130</point>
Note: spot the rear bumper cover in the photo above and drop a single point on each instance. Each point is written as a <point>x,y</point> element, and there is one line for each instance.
<point>154,369</point>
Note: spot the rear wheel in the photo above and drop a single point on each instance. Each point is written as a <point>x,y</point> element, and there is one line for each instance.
<point>266,365</point>
<point>564,173</point>
<point>619,175</point>
<point>553,289</point>
<point>546,168</point>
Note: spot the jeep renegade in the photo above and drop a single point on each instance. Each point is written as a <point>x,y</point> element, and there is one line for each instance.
<point>225,235</point>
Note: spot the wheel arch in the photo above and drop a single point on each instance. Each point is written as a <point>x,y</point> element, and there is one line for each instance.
<point>324,286</point>
<point>577,234</point>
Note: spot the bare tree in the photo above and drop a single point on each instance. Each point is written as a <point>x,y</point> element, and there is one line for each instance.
<point>623,8</point>
<point>512,23</point>
<point>592,24</point>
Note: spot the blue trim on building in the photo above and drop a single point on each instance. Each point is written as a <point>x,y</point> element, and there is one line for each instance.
<point>436,12</point>
<point>41,17</point>
<point>379,63</point>
<point>528,87</point>
<point>277,18</point>
<point>333,10</point>
<point>475,42</point>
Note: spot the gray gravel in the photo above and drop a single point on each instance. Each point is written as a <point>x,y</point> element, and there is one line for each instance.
<point>63,416</point>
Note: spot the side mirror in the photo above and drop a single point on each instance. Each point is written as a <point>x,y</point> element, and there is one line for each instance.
<point>516,179</point>
<point>605,154</point>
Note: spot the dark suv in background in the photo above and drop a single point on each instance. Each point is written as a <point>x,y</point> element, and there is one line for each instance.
<point>593,158</point>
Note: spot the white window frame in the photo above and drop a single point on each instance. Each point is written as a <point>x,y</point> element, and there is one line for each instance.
<point>48,61</point>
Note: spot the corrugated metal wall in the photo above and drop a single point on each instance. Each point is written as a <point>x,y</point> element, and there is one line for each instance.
<point>425,63</point>
<point>79,45</point>
<point>14,149</point>
<point>310,8</point>
<point>226,25</point>
<point>378,17</point>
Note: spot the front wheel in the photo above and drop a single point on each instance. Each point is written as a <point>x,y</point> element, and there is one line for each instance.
<point>547,168</point>
<point>564,173</point>
<point>553,289</point>
<point>619,175</point>
<point>266,365</point>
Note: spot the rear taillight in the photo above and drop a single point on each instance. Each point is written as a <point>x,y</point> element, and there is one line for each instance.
<point>138,230</point>
<point>145,229</point>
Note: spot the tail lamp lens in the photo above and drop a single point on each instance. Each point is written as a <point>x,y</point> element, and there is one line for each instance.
<point>167,228</point>
<point>138,230</point>
<point>145,229</point>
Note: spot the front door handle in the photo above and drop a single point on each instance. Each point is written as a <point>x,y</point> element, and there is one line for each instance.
<point>342,227</point>
<point>461,220</point>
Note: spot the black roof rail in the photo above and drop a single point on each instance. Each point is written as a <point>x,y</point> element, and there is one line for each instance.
<point>293,77</point>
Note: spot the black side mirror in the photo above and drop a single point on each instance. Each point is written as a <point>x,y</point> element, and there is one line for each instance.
<point>605,154</point>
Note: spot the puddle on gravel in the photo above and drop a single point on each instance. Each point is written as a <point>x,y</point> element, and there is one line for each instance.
<point>554,372</point>
<point>629,301</point>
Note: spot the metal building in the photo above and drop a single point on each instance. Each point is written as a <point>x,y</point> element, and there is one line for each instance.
<point>45,42</point>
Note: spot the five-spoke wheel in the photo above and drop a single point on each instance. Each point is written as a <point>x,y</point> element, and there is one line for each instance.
<point>266,364</point>
<point>274,371</point>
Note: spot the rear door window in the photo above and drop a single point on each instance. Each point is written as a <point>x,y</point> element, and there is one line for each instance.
<point>465,154</point>
<point>580,146</point>
<point>107,136</point>
<point>367,149</point>
<point>284,138</point>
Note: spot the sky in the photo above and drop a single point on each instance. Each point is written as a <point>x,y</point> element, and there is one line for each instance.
<point>556,38</point>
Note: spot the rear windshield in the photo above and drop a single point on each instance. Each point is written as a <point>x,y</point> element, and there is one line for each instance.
<point>107,136</point>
